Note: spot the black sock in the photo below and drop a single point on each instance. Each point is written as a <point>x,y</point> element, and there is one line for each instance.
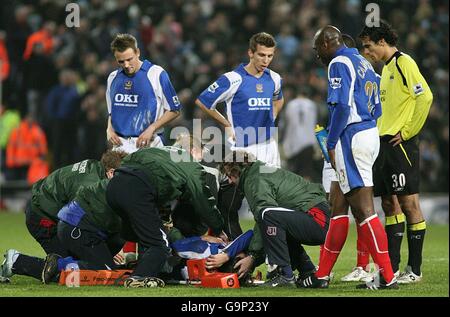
<point>29,266</point>
<point>395,228</point>
<point>416,236</point>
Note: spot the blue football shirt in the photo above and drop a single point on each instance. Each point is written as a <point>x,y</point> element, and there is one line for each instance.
<point>352,82</point>
<point>249,102</point>
<point>134,102</point>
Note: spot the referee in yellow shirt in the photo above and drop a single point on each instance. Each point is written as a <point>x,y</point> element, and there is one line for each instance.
<point>406,100</point>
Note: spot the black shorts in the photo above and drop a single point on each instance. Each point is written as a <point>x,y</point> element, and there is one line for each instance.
<point>396,170</point>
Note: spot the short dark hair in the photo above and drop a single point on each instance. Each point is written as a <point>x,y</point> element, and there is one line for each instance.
<point>235,161</point>
<point>122,42</point>
<point>261,38</point>
<point>384,31</point>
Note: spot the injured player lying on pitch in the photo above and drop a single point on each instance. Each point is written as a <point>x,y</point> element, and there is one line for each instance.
<point>216,256</point>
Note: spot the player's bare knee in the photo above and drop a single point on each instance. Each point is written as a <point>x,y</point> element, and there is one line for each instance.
<point>411,209</point>
<point>338,211</point>
<point>390,206</point>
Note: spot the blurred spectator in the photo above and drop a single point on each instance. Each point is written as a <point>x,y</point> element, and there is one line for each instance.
<point>9,120</point>
<point>26,143</point>
<point>297,123</point>
<point>4,59</point>
<point>39,77</point>
<point>18,31</point>
<point>196,40</point>
<point>92,129</point>
<point>44,37</point>
<point>287,44</point>
<point>146,30</point>
<point>61,113</point>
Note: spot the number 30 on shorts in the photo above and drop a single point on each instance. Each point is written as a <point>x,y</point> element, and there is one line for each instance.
<point>398,180</point>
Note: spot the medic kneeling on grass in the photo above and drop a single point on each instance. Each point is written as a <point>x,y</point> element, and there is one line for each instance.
<point>146,179</point>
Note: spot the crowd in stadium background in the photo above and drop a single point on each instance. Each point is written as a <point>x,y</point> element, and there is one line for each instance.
<point>196,41</point>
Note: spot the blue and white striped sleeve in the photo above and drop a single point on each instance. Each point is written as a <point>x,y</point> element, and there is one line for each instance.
<point>172,103</point>
<point>277,93</point>
<point>341,81</point>
<point>108,89</point>
<point>217,92</point>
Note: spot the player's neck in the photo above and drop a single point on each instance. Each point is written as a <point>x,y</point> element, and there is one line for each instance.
<point>390,51</point>
<point>251,69</point>
<point>139,66</point>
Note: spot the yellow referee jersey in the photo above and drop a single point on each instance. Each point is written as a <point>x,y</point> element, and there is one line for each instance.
<point>405,97</point>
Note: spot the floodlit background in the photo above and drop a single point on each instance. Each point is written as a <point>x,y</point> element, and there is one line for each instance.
<point>195,41</point>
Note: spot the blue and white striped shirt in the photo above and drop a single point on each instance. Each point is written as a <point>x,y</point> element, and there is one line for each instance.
<point>249,102</point>
<point>134,102</point>
<point>353,91</point>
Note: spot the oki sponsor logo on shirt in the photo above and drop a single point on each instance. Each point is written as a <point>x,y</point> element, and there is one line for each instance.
<point>259,103</point>
<point>335,82</point>
<point>126,100</point>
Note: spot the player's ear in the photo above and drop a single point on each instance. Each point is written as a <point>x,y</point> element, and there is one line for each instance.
<point>382,42</point>
<point>138,52</point>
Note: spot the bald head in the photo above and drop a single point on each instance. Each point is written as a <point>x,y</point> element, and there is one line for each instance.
<point>326,42</point>
<point>328,34</point>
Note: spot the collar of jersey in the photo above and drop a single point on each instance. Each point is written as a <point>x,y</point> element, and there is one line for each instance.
<point>346,50</point>
<point>241,69</point>
<point>397,54</point>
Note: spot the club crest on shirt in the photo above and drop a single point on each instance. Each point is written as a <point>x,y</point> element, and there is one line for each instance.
<point>259,87</point>
<point>128,84</point>
<point>391,77</point>
<point>271,231</point>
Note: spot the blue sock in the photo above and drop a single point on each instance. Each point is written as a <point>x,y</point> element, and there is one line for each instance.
<point>287,271</point>
<point>64,262</point>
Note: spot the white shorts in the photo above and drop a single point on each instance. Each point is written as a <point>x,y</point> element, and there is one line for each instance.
<point>355,156</point>
<point>266,152</point>
<point>129,144</point>
<point>328,176</point>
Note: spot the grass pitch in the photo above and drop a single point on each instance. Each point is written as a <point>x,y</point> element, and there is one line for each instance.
<point>435,283</point>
